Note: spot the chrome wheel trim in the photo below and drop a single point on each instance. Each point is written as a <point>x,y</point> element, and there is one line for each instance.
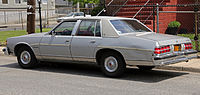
<point>111,64</point>
<point>25,57</point>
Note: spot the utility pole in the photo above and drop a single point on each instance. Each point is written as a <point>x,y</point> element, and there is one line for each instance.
<point>40,15</point>
<point>31,16</point>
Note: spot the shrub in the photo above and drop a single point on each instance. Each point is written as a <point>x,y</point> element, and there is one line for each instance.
<point>174,24</point>
<point>96,10</point>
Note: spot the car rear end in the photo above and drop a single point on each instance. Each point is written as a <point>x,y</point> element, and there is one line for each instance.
<point>173,53</point>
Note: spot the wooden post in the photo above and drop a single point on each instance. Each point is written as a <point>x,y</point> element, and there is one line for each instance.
<point>31,16</point>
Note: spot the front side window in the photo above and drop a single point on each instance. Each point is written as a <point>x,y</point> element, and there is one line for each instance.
<point>4,1</point>
<point>128,26</point>
<point>65,28</point>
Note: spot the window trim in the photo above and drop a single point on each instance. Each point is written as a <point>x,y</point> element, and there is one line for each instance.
<point>96,20</point>
<point>127,19</point>
<point>52,32</point>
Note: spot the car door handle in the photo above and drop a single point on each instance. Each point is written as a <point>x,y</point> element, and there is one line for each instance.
<point>93,41</point>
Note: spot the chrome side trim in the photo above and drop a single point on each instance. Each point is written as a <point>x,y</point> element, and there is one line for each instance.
<point>44,44</point>
<point>55,58</point>
<point>84,59</point>
<point>65,59</point>
<point>118,47</point>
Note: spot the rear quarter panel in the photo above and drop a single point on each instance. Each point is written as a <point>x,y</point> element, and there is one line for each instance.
<point>132,48</point>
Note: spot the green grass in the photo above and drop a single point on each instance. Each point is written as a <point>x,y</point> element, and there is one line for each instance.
<point>6,34</point>
<point>191,36</point>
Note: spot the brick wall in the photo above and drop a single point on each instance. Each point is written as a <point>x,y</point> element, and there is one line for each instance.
<point>186,20</point>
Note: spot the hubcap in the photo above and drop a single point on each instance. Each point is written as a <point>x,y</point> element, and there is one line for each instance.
<point>111,64</point>
<point>25,57</point>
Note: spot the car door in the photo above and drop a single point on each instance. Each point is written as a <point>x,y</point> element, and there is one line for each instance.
<point>86,39</point>
<point>57,42</point>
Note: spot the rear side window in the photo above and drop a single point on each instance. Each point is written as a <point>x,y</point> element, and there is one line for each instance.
<point>89,28</point>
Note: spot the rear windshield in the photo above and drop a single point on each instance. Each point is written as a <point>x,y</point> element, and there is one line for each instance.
<point>128,26</point>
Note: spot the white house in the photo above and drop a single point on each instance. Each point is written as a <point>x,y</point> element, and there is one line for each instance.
<point>14,11</point>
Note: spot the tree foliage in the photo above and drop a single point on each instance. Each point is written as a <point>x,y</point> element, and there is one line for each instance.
<point>85,1</point>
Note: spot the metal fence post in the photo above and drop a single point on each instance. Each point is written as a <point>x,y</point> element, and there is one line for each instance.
<point>22,20</point>
<point>154,24</point>
<point>157,17</point>
<point>5,17</point>
<point>196,32</point>
<point>19,21</point>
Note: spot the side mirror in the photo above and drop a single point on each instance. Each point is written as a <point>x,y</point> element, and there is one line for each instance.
<point>53,33</point>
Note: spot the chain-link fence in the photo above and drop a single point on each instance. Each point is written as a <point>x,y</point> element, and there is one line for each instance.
<point>17,16</point>
<point>160,15</point>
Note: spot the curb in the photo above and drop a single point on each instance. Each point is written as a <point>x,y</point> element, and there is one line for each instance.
<point>176,68</point>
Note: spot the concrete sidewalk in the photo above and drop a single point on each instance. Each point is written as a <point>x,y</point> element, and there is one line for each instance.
<point>191,66</point>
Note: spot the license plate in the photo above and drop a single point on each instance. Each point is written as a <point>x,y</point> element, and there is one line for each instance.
<point>177,47</point>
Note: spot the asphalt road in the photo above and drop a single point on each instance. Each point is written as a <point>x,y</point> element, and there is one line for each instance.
<point>84,79</point>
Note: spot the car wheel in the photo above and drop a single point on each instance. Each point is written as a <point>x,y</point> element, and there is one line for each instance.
<point>112,65</point>
<point>26,58</point>
<point>146,67</point>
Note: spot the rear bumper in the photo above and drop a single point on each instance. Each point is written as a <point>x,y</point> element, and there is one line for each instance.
<point>182,57</point>
<point>175,59</point>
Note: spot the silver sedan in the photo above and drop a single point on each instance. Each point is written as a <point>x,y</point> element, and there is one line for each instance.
<point>110,42</point>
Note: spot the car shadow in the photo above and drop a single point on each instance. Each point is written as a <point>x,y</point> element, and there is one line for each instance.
<point>131,74</point>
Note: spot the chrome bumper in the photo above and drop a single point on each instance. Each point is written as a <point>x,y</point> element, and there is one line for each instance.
<point>6,51</point>
<point>176,59</point>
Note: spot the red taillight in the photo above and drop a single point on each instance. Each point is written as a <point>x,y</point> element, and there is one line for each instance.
<point>157,51</point>
<point>163,49</point>
<point>188,46</point>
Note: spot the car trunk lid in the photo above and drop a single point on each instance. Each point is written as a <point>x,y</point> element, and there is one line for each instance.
<point>162,39</point>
